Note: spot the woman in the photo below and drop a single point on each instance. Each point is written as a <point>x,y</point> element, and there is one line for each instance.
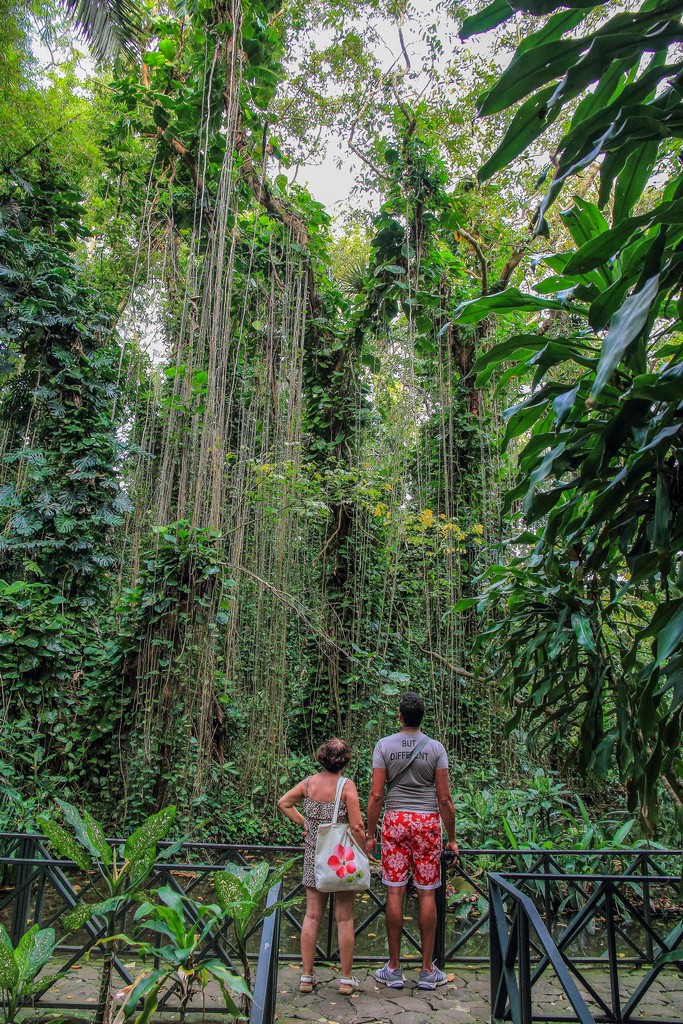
<point>318,793</point>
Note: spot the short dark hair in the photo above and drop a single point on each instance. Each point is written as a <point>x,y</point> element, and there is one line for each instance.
<point>334,755</point>
<point>412,707</point>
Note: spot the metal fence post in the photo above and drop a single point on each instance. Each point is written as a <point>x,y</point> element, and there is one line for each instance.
<point>524,961</point>
<point>23,877</point>
<point>440,936</point>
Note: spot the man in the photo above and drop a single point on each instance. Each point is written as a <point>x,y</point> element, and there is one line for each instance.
<point>414,768</point>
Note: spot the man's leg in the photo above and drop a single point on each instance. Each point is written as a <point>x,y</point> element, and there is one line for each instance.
<point>396,856</point>
<point>426,921</point>
<point>427,876</point>
<point>395,895</point>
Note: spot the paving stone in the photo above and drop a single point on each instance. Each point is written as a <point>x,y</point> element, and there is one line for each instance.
<point>400,999</point>
<point>371,1007</point>
<point>413,1017</point>
<point>306,1012</point>
<point>437,998</point>
<point>451,1016</point>
<point>423,994</point>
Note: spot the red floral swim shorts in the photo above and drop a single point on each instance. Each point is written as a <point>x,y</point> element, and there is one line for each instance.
<point>411,842</point>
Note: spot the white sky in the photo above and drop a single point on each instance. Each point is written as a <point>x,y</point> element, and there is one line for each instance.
<point>332,185</point>
<point>329,183</point>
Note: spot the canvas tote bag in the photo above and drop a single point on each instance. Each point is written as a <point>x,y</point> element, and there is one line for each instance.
<point>340,864</point>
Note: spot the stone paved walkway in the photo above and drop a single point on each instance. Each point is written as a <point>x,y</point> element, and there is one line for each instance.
<point>464,1000</point>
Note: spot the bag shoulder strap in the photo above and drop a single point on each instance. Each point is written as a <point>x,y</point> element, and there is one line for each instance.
<point>341,782</point>
<point>420,745</point>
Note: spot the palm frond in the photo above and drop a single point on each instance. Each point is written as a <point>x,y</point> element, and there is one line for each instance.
<point>108,26</point>
<point>352,272</point>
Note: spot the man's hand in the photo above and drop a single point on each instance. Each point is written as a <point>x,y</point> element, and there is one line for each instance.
<point>453,847</point>
<point>370,844</point>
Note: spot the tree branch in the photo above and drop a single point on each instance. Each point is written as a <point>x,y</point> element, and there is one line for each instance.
<point>7,167</point>
<point>471,240</point>
<point>357,152</point>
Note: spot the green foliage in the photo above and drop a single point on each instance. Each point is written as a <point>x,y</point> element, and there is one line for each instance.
<point>20,967</point>
<point>109,26</point>
<point>59,383</point>
<point>593,635</point>
<point>217,555</point>
<point>241,894</point>
<point>544,812</point>
<point>123,870</point>
<point>177,952</point>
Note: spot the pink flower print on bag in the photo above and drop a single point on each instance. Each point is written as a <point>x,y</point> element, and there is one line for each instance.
<point>340,865</point>
<point>342,860</point>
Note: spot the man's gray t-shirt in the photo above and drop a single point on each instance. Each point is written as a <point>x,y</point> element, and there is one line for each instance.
<point>414,790</point>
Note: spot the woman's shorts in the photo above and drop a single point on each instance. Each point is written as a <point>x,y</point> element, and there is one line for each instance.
<point>411,843</point>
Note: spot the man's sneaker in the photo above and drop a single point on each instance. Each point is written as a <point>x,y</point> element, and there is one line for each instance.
<point>431,979</point>
<point>388,976</point>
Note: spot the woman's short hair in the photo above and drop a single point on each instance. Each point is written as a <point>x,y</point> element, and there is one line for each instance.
<point>334,755</point>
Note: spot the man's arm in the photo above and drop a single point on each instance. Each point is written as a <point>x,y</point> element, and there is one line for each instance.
<point>446,807</point>
<point>375,801</point>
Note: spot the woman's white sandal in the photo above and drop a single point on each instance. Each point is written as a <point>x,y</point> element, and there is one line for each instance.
<point>306,982</point>
<point>347,986</point>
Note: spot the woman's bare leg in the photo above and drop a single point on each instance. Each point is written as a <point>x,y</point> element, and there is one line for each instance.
<point>343,912</point>
<point>315,909</point>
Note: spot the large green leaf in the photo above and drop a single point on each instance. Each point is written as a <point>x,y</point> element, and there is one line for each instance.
<point>532,69</point>
<point>584,634</point>
<point>670,636</point>
<point>256,879</point>
<point>148,981</point>
<point>82,912</point>
<point>492,16</point>
<point>64,843</point>
<point>632,179</point>
<point>9,972</point>
<point>141,867</point>
<point>530,121</point>
<point>598,111</point>
<point>36,988</point>
<point>607,47</point>
<point>503,302</point>
<point>33,951</point>
<point>151,832</point>
<point>235,981</point>
<point>83,833</point>
<point>626,326</point>
<point>519,347</point>
<point>230,890</point>
<point>584,221</point>
<point>97,838</point>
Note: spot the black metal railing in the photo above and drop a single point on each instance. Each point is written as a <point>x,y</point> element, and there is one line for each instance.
<point>39,888</point>
<point>558,882</point>
<point>45,888</point>
<point>511,966</point>
<point>633,938</point>
<point>265,984</point>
